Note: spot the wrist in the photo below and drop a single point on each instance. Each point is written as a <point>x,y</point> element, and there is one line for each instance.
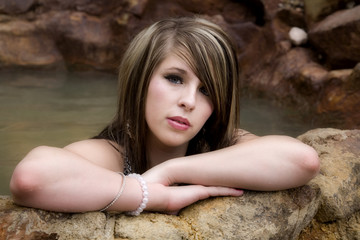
<point>157,197</point>
<point>175,170</point>
<point>164,173</point>
<point>145,194</point>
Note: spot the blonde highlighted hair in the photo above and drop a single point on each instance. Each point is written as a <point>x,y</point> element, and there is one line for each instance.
<point>211,55</point>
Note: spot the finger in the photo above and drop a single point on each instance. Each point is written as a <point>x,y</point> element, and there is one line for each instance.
<point>182,196</point>
<point>172,212</point>
<point>213,191</point>
<point>224,191</point>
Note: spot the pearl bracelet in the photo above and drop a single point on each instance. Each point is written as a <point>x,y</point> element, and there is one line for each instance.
<point>118,194</point>
<point>145,194</point>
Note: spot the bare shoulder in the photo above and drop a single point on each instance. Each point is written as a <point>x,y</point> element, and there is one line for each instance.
<point>101,152</point>
<point>242,136</point>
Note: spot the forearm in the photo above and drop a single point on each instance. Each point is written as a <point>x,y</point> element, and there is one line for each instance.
<point>61,180</point>
<point>266,163</point>
<point>58,180</point>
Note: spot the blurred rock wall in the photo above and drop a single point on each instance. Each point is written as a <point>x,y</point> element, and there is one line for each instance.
<point>302,53</point>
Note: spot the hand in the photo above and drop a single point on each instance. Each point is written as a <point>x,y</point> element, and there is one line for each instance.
<point>171,199</point>
<point>167,197</point>
<point>182,196</point>
<point>160,174</point>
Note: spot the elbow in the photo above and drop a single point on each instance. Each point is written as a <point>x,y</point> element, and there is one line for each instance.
<point>310,162</point>
<point>26,179</point>
<point>23,185</point>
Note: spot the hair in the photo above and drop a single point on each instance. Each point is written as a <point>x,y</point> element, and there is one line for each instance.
<point>210,54</point>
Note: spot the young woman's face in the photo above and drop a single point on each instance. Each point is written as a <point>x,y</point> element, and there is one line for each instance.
<point>177,103</point>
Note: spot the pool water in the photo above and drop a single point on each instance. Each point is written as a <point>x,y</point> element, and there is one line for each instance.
<point>47,108</point>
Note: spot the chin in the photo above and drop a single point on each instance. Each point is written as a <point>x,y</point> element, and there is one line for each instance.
<point>173,142</point>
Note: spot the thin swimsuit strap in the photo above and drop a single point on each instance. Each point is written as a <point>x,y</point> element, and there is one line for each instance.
<point>127,166</point>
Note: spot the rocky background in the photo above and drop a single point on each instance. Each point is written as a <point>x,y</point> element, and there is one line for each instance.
<point>302,53</point>
<point>327,208</point>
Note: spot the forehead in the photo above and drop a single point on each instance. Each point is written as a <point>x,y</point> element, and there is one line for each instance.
<point>174,62</point>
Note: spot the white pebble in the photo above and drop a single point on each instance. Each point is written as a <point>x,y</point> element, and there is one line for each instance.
<point>297,36</point>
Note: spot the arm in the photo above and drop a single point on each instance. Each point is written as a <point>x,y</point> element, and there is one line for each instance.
<point>67,179</point>
<point>258,163</point>
<point>82,177</point>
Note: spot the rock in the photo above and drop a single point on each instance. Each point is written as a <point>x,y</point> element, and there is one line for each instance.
<point>38,50</point>
<point>92,35</point>
<point>294,76</point>
<point>296,5</point>
<point>344,229</point>
<point>153,226</point>
<point>318,9</point>
<point>257,49</point>
<point>339,153</point>
<point>250,11</point>
<point>338,216</point>
<point>279,70</point>
<point>341,97</point>
<point>97,8</point>
<point>82,35</point>
<point>337,38</point>
<point>271,7</point>
<point>27,223</point>
<point>84,41</point>
<point>326,208</point>
<point>284,20</point>
<point>298,36</point>
<point>137,7</point>
<point>256,215</point>
<point>15,6</point>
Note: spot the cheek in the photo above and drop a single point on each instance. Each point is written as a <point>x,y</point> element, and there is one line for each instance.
<point>156,91</point>
<point>155,96</point>
<point>207,109</point>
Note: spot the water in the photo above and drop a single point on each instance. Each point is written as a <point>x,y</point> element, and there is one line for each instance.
<point>55,109</point>
<point>50,109</point>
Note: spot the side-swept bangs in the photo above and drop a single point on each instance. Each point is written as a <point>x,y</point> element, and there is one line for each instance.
<point>211,55</point>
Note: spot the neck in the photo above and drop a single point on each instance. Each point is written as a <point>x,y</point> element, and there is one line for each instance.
<point>158,153</point>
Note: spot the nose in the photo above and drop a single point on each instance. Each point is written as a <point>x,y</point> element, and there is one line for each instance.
<point>187,99</point>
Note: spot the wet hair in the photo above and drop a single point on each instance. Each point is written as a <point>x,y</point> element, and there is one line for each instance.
<point>210,54</point>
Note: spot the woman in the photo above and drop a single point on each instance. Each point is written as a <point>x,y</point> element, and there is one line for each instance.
<point>177,124</point>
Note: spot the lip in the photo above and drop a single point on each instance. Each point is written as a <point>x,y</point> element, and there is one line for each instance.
<point>179,123</point>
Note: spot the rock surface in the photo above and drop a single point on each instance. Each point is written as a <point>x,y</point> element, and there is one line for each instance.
<point>340,172</point>
<point>338,38</point>
<point>338,215</point>
<point>278,215</point>
<point>319,9</point>
<point>326,208</point>
<point>15,6</point>
<point>256,215</point>
<point>26,223</point>
<point>24,45</point>
<point>341,96</point>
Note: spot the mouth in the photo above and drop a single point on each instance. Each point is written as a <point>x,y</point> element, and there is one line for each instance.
<point>180,120</point>
<point>179,123</point>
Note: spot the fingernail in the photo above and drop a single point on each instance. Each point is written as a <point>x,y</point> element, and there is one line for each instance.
<point>241,192</point>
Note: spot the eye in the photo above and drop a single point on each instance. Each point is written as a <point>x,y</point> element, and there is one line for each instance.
<point>174,79</point>
<point>204,91</point>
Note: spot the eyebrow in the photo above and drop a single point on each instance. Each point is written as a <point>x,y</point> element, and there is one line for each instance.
<point>182,71</point>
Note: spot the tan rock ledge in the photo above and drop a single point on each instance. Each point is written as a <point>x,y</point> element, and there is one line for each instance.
<point>255,215</point>
<point>326,208</point>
